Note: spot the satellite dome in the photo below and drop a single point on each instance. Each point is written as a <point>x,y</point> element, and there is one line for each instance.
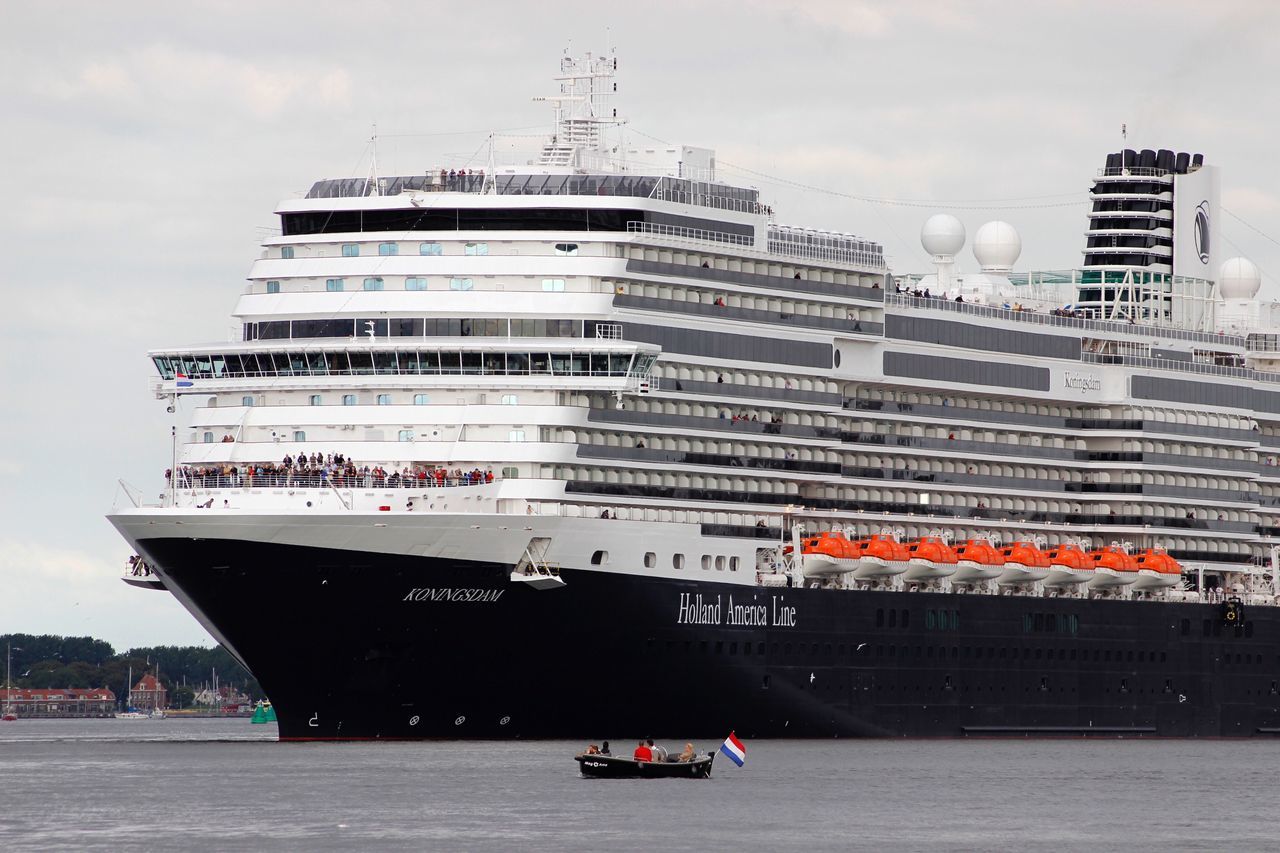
<point>942,235</point>
<point>997,246</point>
<point>1239,278</point>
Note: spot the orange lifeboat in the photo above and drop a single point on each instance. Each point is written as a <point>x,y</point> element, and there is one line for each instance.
<point>1068,565</point>
<point>1023,563</point>
<point>977,560</point>
<point>1112,567</point>
<point>1157,570</point>
<point>827,553</point>
<point>930,558</point>
<point>880,556</point>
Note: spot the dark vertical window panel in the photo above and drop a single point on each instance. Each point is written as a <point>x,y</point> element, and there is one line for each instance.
<point>971,336</point>
<point>940,369</point>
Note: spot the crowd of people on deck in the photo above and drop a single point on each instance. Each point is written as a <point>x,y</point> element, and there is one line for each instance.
<point>646,750</point>
<point>320,470</point>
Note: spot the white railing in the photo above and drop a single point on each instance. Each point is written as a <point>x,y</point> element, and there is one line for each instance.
<point>698,234</point>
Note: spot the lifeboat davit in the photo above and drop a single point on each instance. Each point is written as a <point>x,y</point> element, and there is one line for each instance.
<point>977,560</point>
<point>1023,563</point>
<point>828,553</point>
<point>880,556</point>
<point>1112,567</point>
<point>1068,565</point>
<point>1156,570</point>
<point>930,558</point>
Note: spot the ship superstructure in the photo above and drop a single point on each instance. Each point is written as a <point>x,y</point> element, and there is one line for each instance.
<point>490,431</point>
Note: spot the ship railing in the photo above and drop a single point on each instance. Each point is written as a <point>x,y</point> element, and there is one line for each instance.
<point>700,235</point>
<point>1025,315</point>
<point>242,480</point>
<point>1134,171</point>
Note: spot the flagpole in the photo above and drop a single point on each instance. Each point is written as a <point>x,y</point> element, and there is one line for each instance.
<point>173,444</point>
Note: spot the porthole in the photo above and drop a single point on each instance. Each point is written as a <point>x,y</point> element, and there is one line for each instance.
<point>677,561</point>
<point>599,558</point>
<point>706,562</point>
<point>650,559</point>
<point>836,358</point>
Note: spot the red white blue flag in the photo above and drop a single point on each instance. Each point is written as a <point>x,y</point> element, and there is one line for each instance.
<point>733,748</point>
<point>183,381</point>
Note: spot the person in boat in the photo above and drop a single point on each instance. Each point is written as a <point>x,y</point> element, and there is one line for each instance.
<point>688,754</point>
<point>642,753</point>
<point>591,749</point>
<point>659,752</point>
<point>604,748</point>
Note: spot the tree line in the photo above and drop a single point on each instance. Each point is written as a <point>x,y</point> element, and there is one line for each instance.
<point>48,660</point>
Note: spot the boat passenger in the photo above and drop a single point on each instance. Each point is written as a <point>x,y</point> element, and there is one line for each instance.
<point>688,754</point>
<point>659,752</point>
<point>643,753</point>
<point>592,749</point>
<point>604,748</point>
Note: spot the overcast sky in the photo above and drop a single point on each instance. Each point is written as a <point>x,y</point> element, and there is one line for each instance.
<point>145,146</point>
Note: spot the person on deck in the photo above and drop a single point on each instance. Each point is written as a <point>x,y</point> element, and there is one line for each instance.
<point>688,754</point>
<point>659,752</point>
<point>643,753</point>
<point>604,748</point>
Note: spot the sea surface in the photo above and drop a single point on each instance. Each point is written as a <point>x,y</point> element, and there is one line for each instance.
<point>226,785</point>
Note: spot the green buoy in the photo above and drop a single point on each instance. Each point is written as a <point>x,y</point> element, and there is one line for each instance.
<point>271,713</point>
<point>260,713</point>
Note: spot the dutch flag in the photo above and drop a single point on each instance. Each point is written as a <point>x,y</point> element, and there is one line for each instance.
<point>183,381</point>
<point>733,748</point>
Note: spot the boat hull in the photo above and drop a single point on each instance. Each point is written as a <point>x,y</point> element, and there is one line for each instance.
<point>618,767</point>
<point>351,644</point>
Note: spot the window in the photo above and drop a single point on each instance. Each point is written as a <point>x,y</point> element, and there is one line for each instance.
<point>208,438</point>
<point>430,249</point>
<point>373,283</point>
<point>286,252</point>
<point>299,435</point>
<point>599,558</point>
<point>460,284</point>
<point>733,564</point>
<point>476,249</point>
<point>706,562</point>
<point>650,559</point>
<point>677,561</point>
<point>719,564</point>
<point>350,250</point>
<point>511,471</point>
<point>246,401</point>
<point>273,287</point>
<point>334,285</point>
<point>553,284</point>
<point>510,399</point>
<point>406,435</point>
<point>384,399</point>
<point>348,399</point>
<point>421,399</point>
<point>412,283</point>
<point>315,400</point>
<point>385,249</point>
<point>566,248</point>
<point>515,435</point>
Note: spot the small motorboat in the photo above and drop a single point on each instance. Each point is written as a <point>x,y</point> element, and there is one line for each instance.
<point>1112,568</point>
<point>931,558</point>
<point>1023,563</point>
<point>977,560</point>
<point>1157,570</point>
<point>827,553</point>
<point>880,556</point>
<point>624,767</point>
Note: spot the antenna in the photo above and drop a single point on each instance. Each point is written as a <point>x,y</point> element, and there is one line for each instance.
<point>373,166</point>
<point>369,330</point>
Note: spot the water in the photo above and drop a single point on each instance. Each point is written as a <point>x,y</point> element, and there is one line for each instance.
<point>227,785</point>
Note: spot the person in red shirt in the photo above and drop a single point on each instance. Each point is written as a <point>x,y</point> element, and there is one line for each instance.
<point>643,753</point>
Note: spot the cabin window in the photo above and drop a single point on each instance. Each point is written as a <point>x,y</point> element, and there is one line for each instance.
<point>677,561</point>
<point>719,564</point>
<point>893,618</point>
<point>599,558</point>
<point>334,285</point>
<point>733,564</point>
<point>706,562</point>
<point>350,250</point>
<point>461,284</point>
<point>906,618</point>
<point>273,287</point>
<point>373,283</point>
<point>880,618</point>
<point>421,399</point>
<point>430,249</point>
<point>385,249</point>
<point>475,249</point>
<point>415,283</point>
<point>553,285</point>
<point>208,438</point>
<point>299,435</point>
<point>566,248</point>
<point>316,400</point>
<point>515,435</point>
<point>510,400</point>
<point>511,471</point>
<point>384,399</point>
<point>286,252</point>
<point>246,401</point>
<point>406,435</point>
<point>650,560</point>
<point>348,399</point>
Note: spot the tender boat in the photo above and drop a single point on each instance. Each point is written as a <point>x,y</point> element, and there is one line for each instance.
<point>624,767</point>
<point>880,556</point>
<point>1156,570</point>
<point>930,558</point>
<point>1023,563</point>
<point>827,553</point>
<point>978,560</point>
<point>1069,565</point>
<point>1112,567</point>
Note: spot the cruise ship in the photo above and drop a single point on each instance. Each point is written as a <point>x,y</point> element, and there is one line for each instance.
<point>596,445</point>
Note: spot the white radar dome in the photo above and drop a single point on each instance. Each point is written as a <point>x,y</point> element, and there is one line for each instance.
<point>942,235</point>
<point>1239,278</point>
<point>996,246</point>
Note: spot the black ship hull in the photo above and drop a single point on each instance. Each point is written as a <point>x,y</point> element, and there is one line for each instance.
<point>356,645</point>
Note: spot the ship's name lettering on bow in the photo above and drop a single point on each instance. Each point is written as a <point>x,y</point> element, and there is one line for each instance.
<point>461,595</point>
<point>696,609</point>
